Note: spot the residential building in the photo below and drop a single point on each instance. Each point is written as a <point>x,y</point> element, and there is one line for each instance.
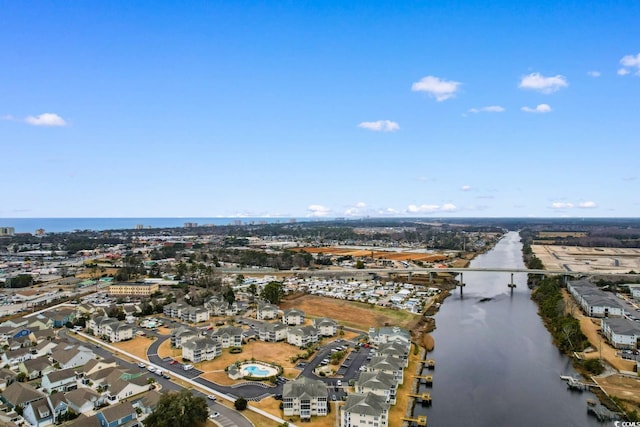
<point>15,357</point>
<point>229,336</point>
<point>387,364</point>
<point>364,410</point>
<point>293,317</point>
<point>20,394</point>
<point>266,311</point>
<point>117,415</point>
<point>272,332</point>
<point>194,315</point>
<point>83,400</point>
<point>594,301</point>
<point>621,333</point>
<point>59,381</point>
<point>174,309</point>
<point>379,383</point>
<point>302,336</point>
<point>38,413</point>
<point>35,368</point>
<point>389,334</point>
<point>326,327</point>
<point>201,349</point>
<point>305,397</point>
<point>183,334</point>
<point>398,349</point>
<point>137,289</point>
<point>71,356</point>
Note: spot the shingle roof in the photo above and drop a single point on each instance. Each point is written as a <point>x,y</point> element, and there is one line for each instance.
<point>366,404</point>
<point>304,387</point>
<point>21,393</point>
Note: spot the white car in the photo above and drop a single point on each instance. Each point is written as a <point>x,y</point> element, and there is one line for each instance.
<point>211,397</point>
<point>214,415</point>
<point>151,369</point>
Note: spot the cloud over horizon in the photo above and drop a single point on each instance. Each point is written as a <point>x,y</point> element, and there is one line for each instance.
<point>318,211</point>
<point>540,108</point>
<point>447,207</point>
<point>540,83</point>
<point>488,109</point>
<point>568,205</point>
<point>380,126</point>
<point>438,88</point>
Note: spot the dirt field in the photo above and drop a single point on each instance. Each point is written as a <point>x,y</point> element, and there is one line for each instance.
<point>358,315</point>
<point>376,254</point>
<point>137,346</point>
<point>624,387</point>
<point>573,258</point>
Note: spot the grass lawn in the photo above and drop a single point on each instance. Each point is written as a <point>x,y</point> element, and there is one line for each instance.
<point>272,406</point>
<point>137,346</point>
<point>350,313</point>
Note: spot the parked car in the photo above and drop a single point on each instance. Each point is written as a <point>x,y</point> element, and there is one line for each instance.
<point>214,415</point>
<point>211,397</point>
<point>141,365</point>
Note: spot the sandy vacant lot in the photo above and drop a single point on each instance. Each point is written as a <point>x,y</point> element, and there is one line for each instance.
<point>358,315</point>
<point>575,258</point>
<point>624,387</point>
<point>376,254</point>
<point>137,346</point>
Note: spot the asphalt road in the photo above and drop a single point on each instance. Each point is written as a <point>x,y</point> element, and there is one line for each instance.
<point>228,417</point>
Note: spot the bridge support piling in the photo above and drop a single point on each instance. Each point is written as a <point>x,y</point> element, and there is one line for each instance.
<point>431,278</point>
<point>511,284</point>
<point>461,285</point>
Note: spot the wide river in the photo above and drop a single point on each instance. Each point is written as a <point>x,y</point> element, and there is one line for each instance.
<point>496,364</point>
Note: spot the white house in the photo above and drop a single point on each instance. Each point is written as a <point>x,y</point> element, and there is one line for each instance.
<point>292,317</point>
<point>302,336</point>
<point>39,413</point>
<point>59,381</point>
<point>364,410</point>
<point>195,315</point>
<point>593,300</point>
<point>378,383</point>
<point>229,336</point>
<point>272,332</point>
<point>389,334</point>
<point>621,333</point>
<point>201,349</point>
<point>326,327</point>
<point>71,356</point>
<point>305,397</point>
<point>266,311</point>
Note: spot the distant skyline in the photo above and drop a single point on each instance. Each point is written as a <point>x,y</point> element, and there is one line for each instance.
<point>319,109</point>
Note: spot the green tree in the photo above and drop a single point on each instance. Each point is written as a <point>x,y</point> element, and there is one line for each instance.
<point>272,292</point>
<point>359,264</point>
<point>181,409</point>
<point>240,404</point>
<point>229,295</point>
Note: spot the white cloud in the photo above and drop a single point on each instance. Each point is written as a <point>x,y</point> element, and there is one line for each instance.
<point>630,61</point>
<point>359,209</point>
<point>421,209</point>
<point>488,109</point>
<point>380,126</point>
<point>587,205</point>
<point>540,108</point>
<point>594,73</point>
<point>318,210</point>
<point>436,87</point>
<point>537,81</point>
<point>561,205</point>
<point>46,119</point>
<point>465,188</point>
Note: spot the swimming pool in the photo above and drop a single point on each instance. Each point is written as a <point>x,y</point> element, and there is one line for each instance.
<point>258,370</point>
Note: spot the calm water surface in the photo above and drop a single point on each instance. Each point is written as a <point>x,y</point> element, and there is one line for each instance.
<point>495,362</point>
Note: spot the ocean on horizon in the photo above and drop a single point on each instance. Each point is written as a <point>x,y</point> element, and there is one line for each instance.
<point>62,225</point>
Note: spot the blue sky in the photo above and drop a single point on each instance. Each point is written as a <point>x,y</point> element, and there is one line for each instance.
<point>319,109</point>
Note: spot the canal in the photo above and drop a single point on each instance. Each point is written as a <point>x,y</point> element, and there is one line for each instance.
<point>496,364</point>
